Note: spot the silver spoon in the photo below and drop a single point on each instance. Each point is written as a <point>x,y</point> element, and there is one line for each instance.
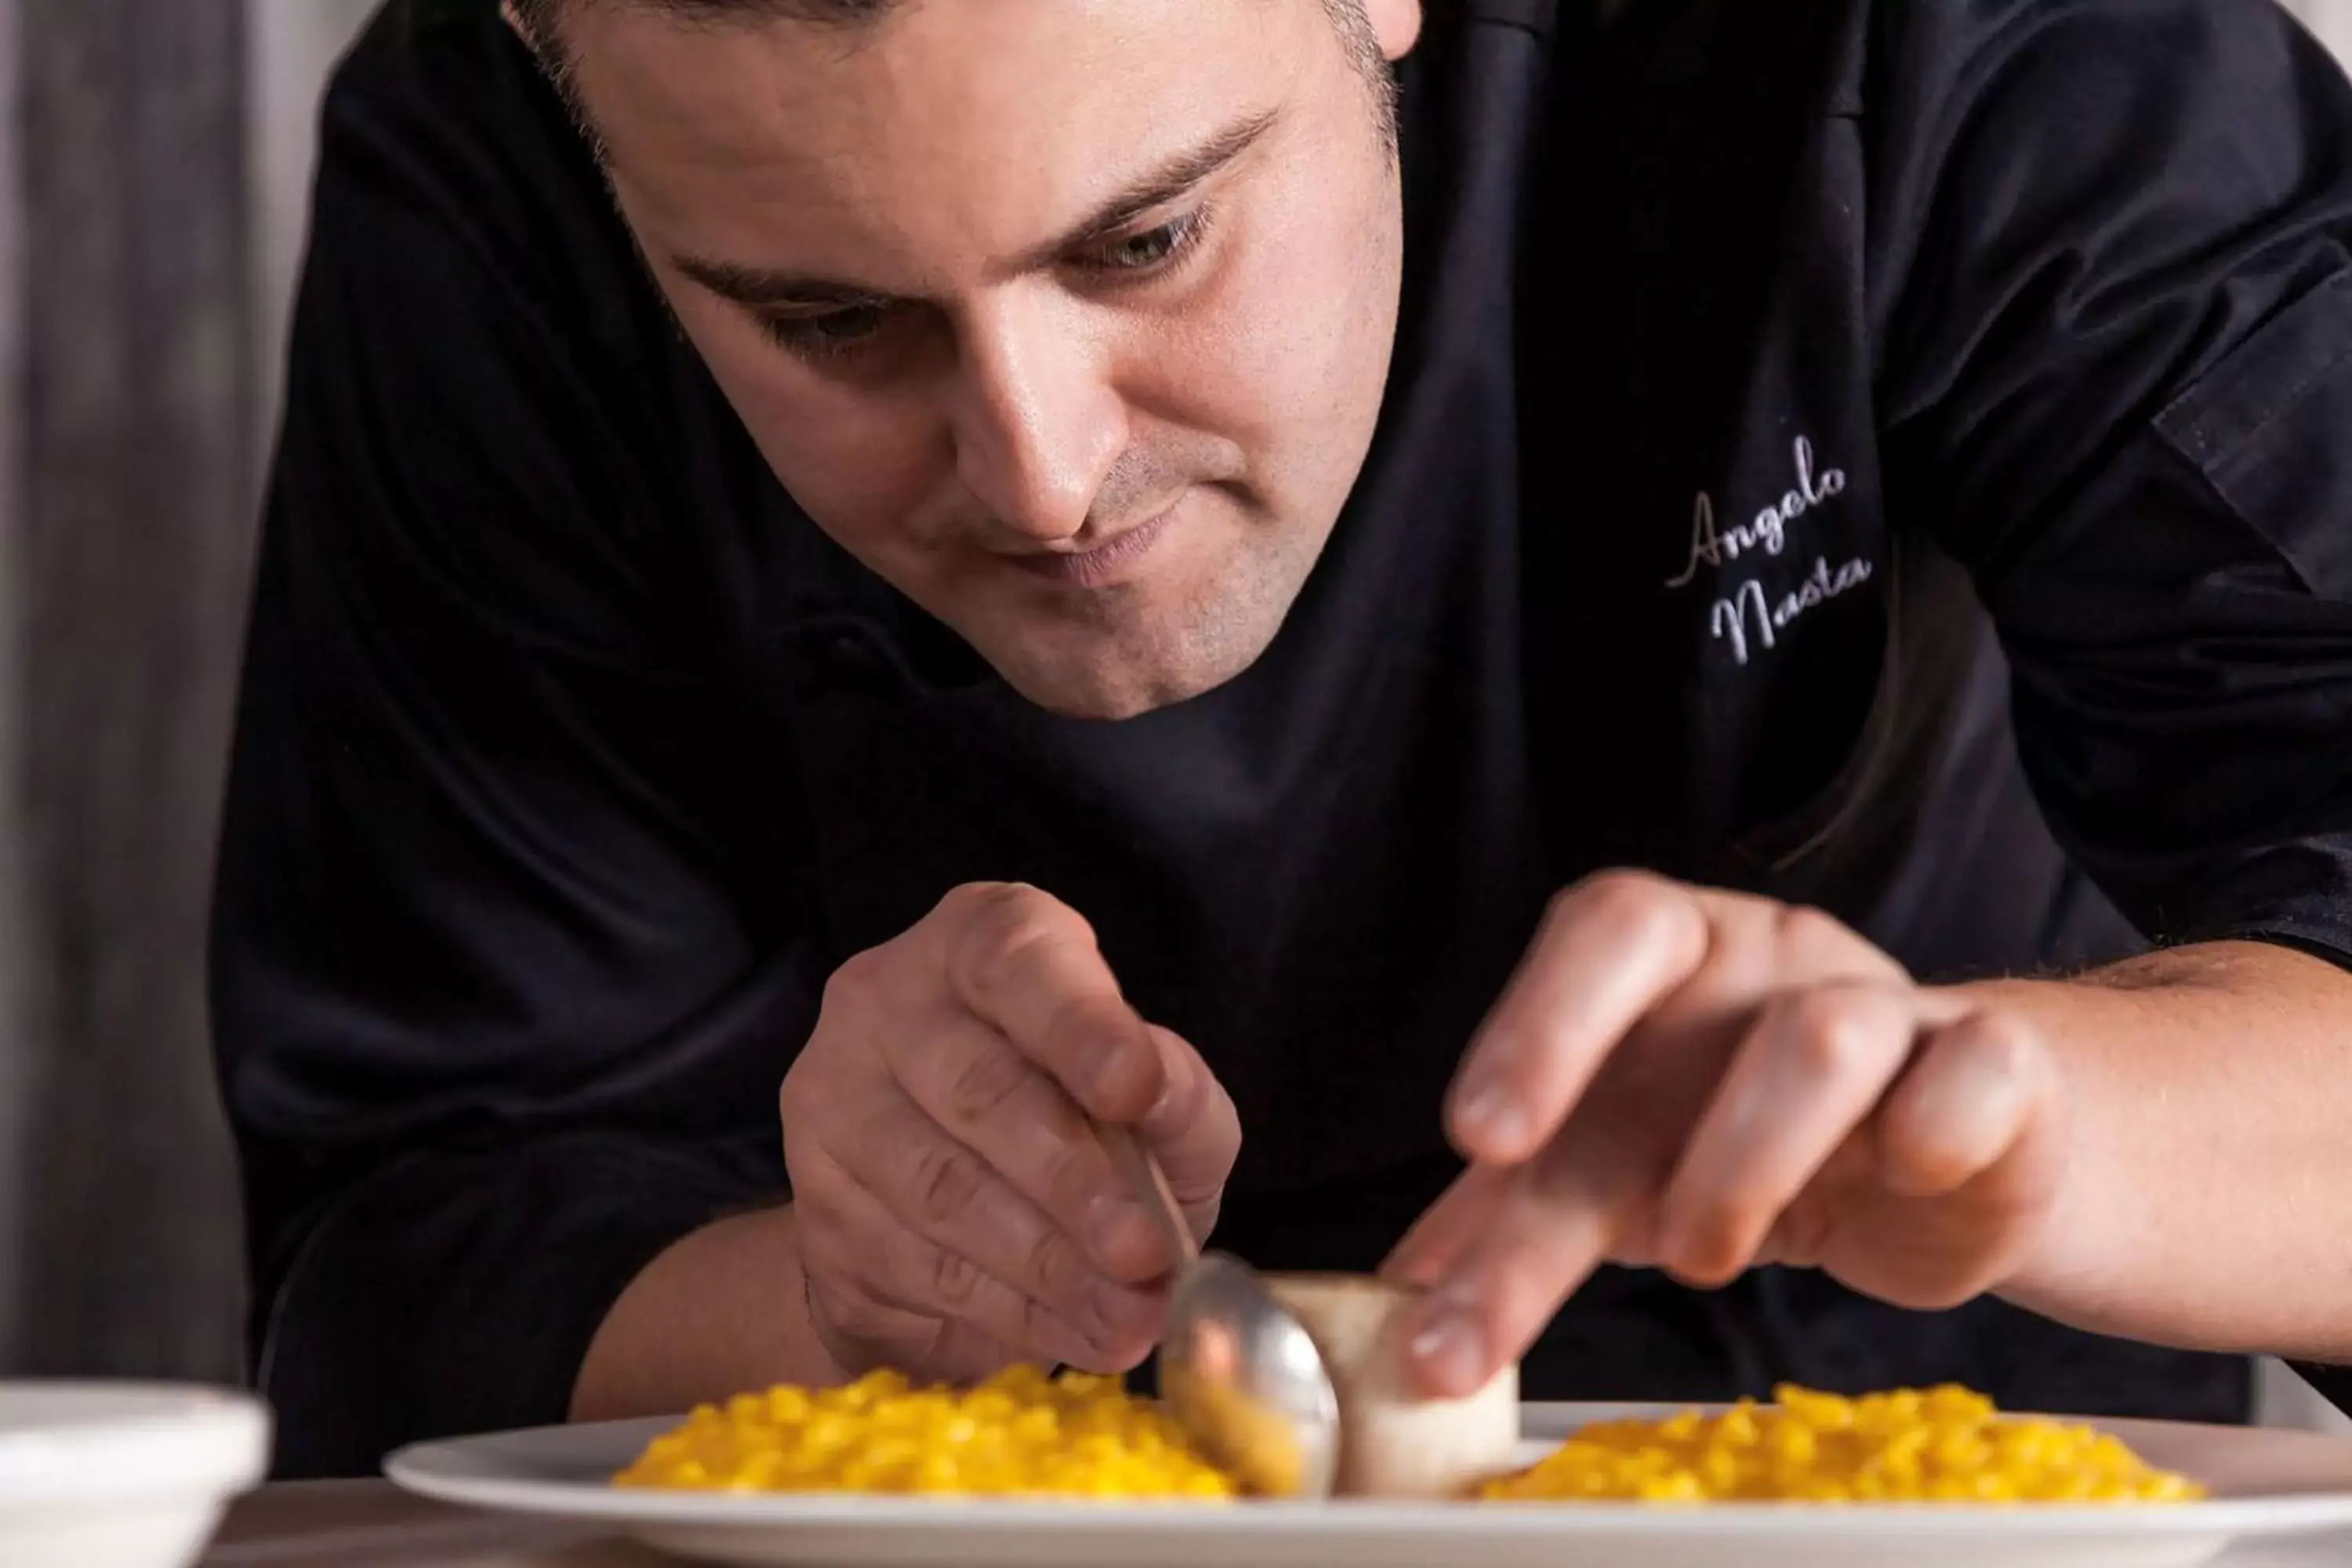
<point>1238,1370</point>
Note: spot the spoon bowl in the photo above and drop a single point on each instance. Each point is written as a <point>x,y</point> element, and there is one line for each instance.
<point>1238,1373</point>
<point>1245,1381</point>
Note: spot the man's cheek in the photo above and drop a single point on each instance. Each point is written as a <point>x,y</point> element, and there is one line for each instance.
<point>1296,328</point>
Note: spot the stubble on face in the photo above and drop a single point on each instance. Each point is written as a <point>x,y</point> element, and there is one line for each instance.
<point>1015,412</point>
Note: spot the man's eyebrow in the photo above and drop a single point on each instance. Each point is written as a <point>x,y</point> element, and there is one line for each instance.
<point>759,286</point>
<point>1161,185</point>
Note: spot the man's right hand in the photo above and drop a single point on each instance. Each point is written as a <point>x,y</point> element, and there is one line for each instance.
<point>955,1209</point>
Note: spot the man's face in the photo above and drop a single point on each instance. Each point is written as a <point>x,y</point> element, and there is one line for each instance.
<point>1070,318</point>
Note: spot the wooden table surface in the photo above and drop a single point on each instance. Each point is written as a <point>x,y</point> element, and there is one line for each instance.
<point>371,1524</point>
<point>367,1524</point>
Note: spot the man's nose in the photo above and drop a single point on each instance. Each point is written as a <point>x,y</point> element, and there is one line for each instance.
<point>1036,422</point>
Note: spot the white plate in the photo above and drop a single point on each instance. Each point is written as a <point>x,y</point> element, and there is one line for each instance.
<point>121,1475</point>
<point>2267,1484</point>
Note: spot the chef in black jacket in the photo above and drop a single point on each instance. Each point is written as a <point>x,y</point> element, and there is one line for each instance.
<point>1696,657</point>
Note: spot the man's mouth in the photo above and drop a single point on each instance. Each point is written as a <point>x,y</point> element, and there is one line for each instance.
<point>1101,565</point>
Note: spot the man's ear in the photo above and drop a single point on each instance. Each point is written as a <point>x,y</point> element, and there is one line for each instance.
<point>1396,23</point>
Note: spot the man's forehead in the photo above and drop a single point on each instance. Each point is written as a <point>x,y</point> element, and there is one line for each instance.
<point>909,60</point>
<point>987,121</point>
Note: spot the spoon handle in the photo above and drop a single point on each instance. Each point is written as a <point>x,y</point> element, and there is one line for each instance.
<point>1150,1184</point>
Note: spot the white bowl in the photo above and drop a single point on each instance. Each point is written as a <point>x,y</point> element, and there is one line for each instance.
<point>96,1475</point>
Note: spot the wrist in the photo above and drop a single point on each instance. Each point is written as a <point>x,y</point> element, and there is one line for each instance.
<point>722,1311</point>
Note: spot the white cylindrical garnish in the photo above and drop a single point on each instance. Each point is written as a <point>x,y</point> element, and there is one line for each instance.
<point>1392,1442</point>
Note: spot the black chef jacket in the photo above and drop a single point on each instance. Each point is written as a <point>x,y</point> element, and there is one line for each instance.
<point>1810,422</point>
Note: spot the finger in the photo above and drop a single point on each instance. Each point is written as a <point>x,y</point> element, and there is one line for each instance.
<point>1809,1073</point>
<point>1609,950</point>
<point>989,1097</point>
<point>1546,1233</point>
<point>1461,1214</point>
<point>862,1239</point>
<point>1799,1238</point>
<point>937,1187</point>
<point>1026,964</point>
<point>1193,1131</point>
<point>859,1331</point>
<point>879,1286</point>
<point>859,1334</point>
<point>1980,1095</point>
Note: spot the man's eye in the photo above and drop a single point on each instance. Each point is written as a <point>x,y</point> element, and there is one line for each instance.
<point>827,332</point>
<point>1152,248</point>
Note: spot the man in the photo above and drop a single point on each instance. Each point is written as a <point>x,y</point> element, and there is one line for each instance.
<point>1405,603</point>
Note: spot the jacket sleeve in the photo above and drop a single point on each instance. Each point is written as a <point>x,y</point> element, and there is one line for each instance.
<point>505,958</point>
<point>2110,287</point>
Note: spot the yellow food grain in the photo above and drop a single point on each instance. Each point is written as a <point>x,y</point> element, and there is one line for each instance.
<point>1943,1444</point>
<point>1021,1434</point>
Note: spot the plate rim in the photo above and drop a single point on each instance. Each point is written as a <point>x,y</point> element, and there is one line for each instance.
<point>418,1468</point>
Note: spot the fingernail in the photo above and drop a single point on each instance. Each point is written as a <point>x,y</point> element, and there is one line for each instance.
<point>1450,1348</point>
<point>1491,1113</point>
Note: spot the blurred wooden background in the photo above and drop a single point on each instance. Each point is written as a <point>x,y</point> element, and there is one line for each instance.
<point>131,410</point>
<point>154,156</point>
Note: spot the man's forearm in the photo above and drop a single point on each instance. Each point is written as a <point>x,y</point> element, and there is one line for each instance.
<point>2208,1201</point>
<point>722,1312</point>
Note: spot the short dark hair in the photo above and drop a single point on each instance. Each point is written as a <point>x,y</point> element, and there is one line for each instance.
<point>540,20</point>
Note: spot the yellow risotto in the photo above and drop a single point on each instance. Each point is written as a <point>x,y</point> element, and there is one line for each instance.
<point>1024,1433</point>
<point>1947,1445</point>
<point>1021,1434</point>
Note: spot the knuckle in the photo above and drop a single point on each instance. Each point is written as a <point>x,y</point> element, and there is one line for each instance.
<point>969,902</point>
<point>1003,925</point>
<point>859,981</point>
<point>1833,1032</point>
<point>1643,905</point>
<point>1057,1275</point>
<point>984,1083</point>
<point>1802,928</point>
<point>1626,892</point>
<point>947,1182</point>
<point>954,1280</point>
<point>2004,1043</point>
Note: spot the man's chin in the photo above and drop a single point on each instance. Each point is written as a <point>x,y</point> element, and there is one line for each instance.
<point>1109,685</point>
<point>1107,699</point>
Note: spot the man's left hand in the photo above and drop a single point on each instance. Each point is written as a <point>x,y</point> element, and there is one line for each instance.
<point>1703,1081</point>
